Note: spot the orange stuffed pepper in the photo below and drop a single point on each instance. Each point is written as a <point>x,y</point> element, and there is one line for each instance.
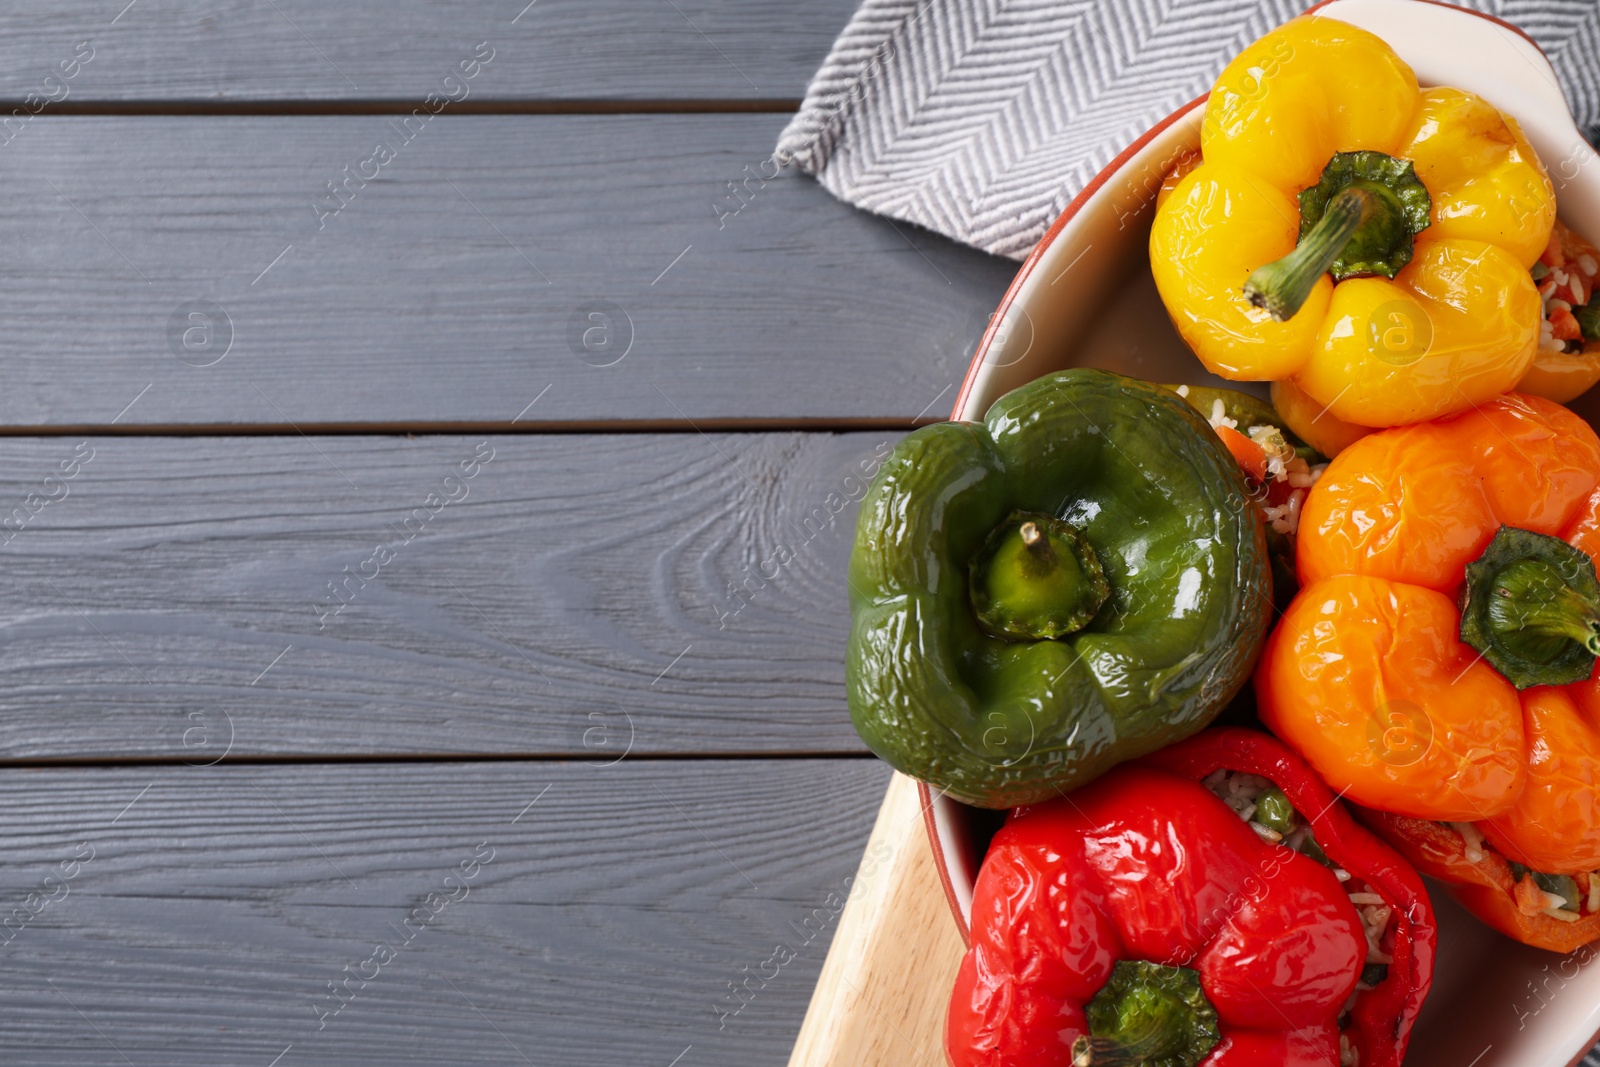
<point>1437,665</point>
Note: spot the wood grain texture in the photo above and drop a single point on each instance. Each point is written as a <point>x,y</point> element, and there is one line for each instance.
<point>181,594</point>
<point>209,909</point>
<point>881,998</point>
<point>182,50</point>
<point>461,281</point>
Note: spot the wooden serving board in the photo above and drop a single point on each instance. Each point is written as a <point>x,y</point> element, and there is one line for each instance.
<point>880,1000</point>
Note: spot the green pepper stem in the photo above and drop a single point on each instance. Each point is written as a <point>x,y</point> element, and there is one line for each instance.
<point>1040,558</point>
<point>1282,286</point>
<point>1036,578</point>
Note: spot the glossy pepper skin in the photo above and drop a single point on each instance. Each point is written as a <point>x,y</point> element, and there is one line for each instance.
<point>999,721</point>
<point>1456,326</point>
<point>1367,675</point>
<point>1147,864</point>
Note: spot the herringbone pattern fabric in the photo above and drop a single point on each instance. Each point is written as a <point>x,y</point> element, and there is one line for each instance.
<point>981,119</point>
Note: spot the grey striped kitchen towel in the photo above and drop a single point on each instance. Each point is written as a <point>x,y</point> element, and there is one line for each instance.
<point>981,119</point>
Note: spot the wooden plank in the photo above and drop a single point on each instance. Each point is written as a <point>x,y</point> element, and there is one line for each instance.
<point>493,256</point>
<point>402,49</point>
<point>188,598</point>
<point>881,998</point>
<point>533,913</point>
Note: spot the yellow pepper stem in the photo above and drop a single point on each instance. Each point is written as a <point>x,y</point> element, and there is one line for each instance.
<point>1281,287</point>
<point>1359,219</point>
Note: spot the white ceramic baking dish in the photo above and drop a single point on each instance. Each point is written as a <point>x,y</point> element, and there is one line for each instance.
<point>1085,298</point>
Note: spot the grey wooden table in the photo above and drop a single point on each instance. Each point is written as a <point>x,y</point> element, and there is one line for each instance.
<point>429,463</point>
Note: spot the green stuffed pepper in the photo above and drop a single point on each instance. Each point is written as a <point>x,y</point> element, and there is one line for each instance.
<point>1076,581</point>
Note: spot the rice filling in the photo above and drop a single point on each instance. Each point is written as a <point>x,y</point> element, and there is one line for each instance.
<point>1563,897</point>
<point>1268,812</point>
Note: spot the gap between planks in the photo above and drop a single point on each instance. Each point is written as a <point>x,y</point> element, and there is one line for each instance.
<point>316,759</point>
<point>525,427</point>
<point>400,106</point>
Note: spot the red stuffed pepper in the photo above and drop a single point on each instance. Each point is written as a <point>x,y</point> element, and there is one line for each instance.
<point>1211,905</point>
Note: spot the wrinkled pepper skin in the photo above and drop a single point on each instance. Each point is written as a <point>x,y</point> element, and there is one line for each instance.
<point>1455,327</point>
<point>1148,864</point>
<point>1367,675</point>
<point>998,723</point>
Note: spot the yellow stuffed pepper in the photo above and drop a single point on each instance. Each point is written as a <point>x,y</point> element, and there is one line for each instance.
<point>1362,242</point>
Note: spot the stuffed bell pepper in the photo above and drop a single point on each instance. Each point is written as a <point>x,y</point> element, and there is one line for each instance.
<point>1364,241</point>
<point>1565,364</point>
<point>1077,580</point>
<point>1568,360</point>
<point>1278,466</point>
<point>1437,665</point>
<point>1211,905</point>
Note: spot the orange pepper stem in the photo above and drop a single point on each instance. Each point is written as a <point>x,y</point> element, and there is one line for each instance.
<point>1282,286</point>
<point>1531,605</point>
<point>1532,599</point>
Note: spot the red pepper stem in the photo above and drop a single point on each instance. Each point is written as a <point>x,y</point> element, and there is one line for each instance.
<point>1282,286</point>
<point>1148,1013</point>
<point>1105,1052</point>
